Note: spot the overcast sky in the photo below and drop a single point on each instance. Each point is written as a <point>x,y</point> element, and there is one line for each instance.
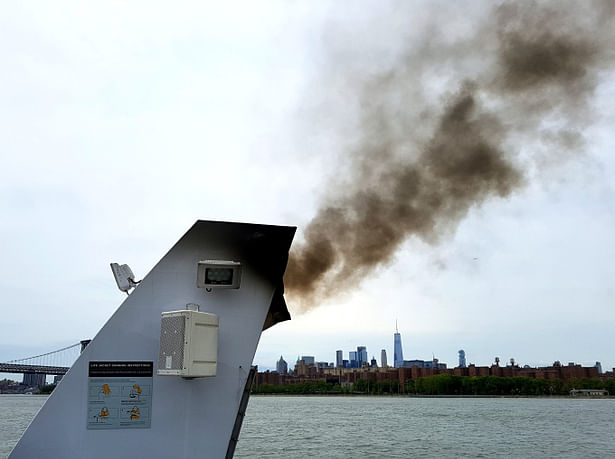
<point>121,123</point>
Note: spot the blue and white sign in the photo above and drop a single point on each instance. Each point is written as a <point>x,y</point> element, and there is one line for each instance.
<point>119,395</point>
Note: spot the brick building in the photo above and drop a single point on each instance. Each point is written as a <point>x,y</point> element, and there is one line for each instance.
<point>305,372</point>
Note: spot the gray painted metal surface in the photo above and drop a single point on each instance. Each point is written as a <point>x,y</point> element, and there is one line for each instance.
<point>190,418</point>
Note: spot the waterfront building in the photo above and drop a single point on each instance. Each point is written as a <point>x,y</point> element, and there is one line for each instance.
<point>412,364</point>
<point>305,369</point>
<point>281,366</point>
<point>589,393</point>
<point>432,364</point>
<point>398,354</point>
<point>34,379</point>
<point>383,358</point>
<point>462,358</point>
<point>339,359</point>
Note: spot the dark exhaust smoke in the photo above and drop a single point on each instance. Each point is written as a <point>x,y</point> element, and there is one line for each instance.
<point>524,76</point>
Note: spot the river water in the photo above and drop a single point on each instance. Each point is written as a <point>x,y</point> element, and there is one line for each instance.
<point>399,427</point>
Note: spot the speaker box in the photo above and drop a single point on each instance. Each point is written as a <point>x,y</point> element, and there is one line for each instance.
<point>188,344</point>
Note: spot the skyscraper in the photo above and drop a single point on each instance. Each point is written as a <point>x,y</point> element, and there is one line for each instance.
<point>339,359</point>
<point>281,366</point>
<point>361,355</point>
<point>383,358</point>
<point>462,358</point>
<point>398,354</point>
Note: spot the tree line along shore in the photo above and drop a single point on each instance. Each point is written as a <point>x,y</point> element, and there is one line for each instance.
<point>446,385</point>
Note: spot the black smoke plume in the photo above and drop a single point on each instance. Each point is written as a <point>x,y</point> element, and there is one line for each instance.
<point>524,75</point>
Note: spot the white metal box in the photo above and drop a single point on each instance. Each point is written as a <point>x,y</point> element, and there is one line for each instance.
<point>188,344</point>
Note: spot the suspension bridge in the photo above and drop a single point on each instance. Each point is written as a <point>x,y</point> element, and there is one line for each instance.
<point>50,363</point>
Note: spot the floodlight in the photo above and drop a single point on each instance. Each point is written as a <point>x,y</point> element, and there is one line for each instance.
<point>218,274</point>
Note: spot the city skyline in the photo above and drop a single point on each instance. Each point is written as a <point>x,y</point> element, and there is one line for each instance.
<point>461,362</point>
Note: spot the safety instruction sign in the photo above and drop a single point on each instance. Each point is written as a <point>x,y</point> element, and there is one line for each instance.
<point>120,395</point>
